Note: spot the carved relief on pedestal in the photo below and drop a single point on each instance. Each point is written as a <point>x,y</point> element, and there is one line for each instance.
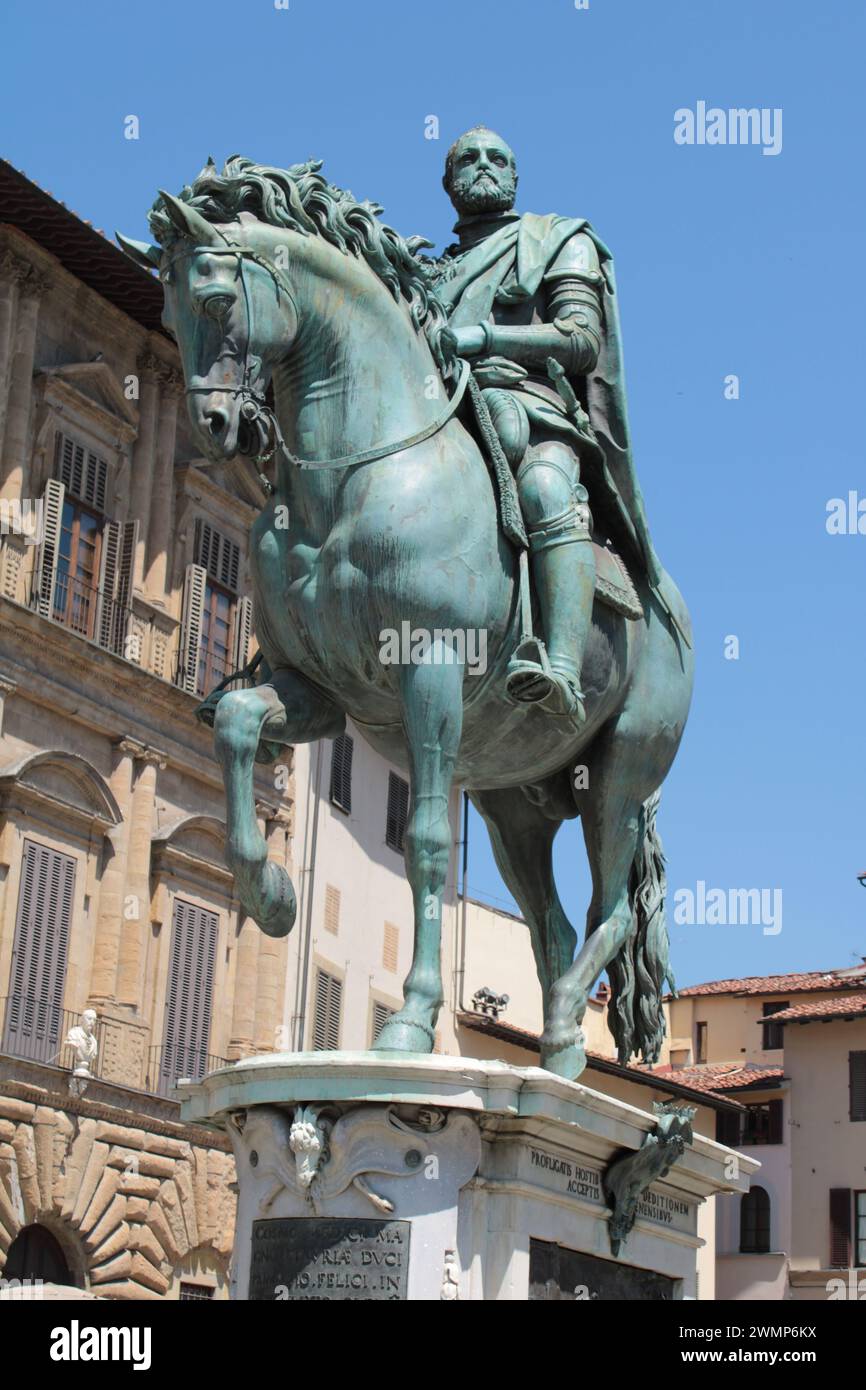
<point>317,1153</point>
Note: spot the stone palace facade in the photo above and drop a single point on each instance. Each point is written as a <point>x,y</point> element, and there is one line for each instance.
<point>122,575</point>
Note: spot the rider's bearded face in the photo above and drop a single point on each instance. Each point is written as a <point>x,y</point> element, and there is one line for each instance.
<point>482,177</point>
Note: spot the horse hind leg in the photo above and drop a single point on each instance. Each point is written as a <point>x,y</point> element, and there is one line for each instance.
<point>522,836</point>
<point>625,926</point>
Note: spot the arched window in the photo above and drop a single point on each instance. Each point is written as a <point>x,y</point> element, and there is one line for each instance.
<point>755,1222</point>
<point>36,1254</point>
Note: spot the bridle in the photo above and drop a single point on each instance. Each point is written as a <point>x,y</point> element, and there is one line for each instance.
<point>254,407</point>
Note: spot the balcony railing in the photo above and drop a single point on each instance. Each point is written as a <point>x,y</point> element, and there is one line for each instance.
<point>81,607</point>
<point>36,1029</point>
<point>169,1064</point>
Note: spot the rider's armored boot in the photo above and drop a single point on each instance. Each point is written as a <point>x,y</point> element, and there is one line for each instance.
<point>555,508</point>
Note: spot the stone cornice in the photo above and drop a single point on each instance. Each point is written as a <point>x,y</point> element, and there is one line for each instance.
<point>115,322</point>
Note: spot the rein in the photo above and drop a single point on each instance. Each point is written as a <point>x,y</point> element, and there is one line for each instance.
<point>254,407</point>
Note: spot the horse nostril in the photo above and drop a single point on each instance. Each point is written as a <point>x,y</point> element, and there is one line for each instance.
<point>217,421</point>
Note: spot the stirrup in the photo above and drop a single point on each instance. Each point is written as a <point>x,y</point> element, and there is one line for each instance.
<point>530,679</point>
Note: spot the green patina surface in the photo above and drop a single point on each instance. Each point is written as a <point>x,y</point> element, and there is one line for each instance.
<point>382,510</point>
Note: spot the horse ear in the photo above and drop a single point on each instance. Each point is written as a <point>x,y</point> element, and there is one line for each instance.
<point>140,251</point>
<point>189,222</point>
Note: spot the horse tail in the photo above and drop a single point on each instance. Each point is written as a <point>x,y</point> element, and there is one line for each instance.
<point>639,969</point>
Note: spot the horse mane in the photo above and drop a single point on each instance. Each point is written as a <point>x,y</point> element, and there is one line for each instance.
<point>302,199</point>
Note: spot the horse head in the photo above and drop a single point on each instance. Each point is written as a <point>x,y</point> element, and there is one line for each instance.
<point>232,314</point>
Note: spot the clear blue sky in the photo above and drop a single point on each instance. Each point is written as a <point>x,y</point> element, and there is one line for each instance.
<point>728,261</point>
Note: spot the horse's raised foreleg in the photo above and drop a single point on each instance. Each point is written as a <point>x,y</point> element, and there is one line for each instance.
<point>284,710</point>
<point>522,838</point>
<point>433,720</point>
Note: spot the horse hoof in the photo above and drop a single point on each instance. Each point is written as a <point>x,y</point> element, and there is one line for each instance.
<point>280,920</point>
<point>567,1061</point>
<point>404,1035</point>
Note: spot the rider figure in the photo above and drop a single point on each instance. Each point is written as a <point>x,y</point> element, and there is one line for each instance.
<point>521,290</point>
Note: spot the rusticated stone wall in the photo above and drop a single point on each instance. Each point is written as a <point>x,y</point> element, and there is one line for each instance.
<point>137,1201</point>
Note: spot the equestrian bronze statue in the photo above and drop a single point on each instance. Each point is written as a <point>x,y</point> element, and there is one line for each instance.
<point>448,449</point>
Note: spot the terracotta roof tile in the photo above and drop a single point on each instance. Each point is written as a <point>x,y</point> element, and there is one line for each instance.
<point>851,1006</point>
<point>720,1076</point>
<point>796,983</point>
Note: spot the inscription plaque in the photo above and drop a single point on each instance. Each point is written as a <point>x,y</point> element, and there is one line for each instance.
<point>557,1274</point>
<point>307,1258</point>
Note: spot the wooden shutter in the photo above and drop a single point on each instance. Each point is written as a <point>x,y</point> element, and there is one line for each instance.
<point>243,632</point>
<point>398,811</point>
<point>776,1133</point>
<point>34,1011</point>
<point>326,1016</point>
<point>342,750</point>
<point>106,621</point>
<point>840,1227</point>
<point>189,993</point>
<point>217,554</point>
<point>83,473</point>
<point>381,1014</point>
<point>123,589</point>
<point>857,1085</point>
<point>332,909</point>
<point>45,573</point>
<point>194,585</point>
<point>390,944</point>
<point>728,1128</point>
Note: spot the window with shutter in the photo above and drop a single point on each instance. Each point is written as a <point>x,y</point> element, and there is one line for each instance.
<point>83,473</point>
<point>390,945</point>
<point>215,648</point>
<point>243,632</point>
<point>381,1014</point>
<point>857,1085</point>
<point>341,773</point>
<point>700,1042</point>
<point>776,1133</point>
<point>326,1013</point>
<point>189,993</point>
<point>332,910</point>
<point>33,1020</point>
<point>106,623</point>
<point>78,569</point>
<point>860,1228</point>
<point>763,1123</point>
<point>755,1222</point>
<point>45,574</point>
<point>122,605</point>
<point>217,554</point>
<point>398,812</point>
<point>840,1227</point>
<point>728,1128</point>
<point>774,1033</point>
<point>194,585</point>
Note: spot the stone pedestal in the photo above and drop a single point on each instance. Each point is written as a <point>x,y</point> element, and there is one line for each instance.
<point>377,1176</point>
